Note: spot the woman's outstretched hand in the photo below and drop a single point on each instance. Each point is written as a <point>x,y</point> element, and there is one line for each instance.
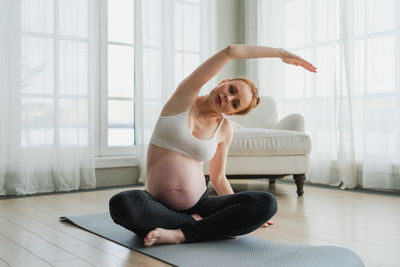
<point>293,59</point>
<point>265,225</point>
<point>268,224</point>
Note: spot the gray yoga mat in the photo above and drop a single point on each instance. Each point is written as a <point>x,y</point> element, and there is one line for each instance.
<point>244,251</point>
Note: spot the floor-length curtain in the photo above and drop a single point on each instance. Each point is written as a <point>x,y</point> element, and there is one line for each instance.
<point>152,76</point>
<point>46,95</point>
<point>351,105</point>
<point>171,40</point>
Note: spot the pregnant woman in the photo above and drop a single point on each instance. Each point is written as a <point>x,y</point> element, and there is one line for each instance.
<point>191,129</point>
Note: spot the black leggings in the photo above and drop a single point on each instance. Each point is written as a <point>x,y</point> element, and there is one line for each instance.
<point>223,216</point>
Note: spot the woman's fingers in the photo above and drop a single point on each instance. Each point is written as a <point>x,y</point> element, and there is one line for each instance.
<point>197,217</point>
<point>307,65</point>
<point>268,224</point>
<point>310,67</point>
<point>293,59</point>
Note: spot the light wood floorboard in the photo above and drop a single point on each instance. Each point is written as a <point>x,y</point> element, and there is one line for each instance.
<point>32,235</point>
<point>15,255</point>
<point>3,263</point>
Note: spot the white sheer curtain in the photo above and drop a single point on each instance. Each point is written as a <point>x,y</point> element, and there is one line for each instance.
<point>46,95</point>
<point>171,40</point>
<point>352,105</point>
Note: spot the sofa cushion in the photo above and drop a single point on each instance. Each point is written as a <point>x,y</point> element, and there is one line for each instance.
<point>236,125</point>
<point>263,116</point>
<point>269,142</point>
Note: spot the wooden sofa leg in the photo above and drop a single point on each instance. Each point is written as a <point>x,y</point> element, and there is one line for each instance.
<point>271,181</point>
<point>299,180</point>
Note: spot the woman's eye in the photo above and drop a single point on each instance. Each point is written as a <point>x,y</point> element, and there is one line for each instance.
<point>234,105</point>
<point>231,90</point>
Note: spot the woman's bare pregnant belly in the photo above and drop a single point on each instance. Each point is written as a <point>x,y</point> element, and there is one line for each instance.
<point>174,179</point>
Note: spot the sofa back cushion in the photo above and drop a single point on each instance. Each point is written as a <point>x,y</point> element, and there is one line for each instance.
<point>263,116</point>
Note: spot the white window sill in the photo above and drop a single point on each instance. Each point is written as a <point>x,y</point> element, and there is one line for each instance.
<point>116,161</point>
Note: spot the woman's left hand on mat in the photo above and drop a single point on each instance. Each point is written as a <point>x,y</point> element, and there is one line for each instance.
<point>197,217</point>
<point>268,224</point>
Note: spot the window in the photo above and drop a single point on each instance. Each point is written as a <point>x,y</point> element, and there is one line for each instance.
<point>316,31</point>
<point>54,74</point>
<point>171,39</point>
<point>78,66</point>
<point>187,38</point>
<point>117,72</point>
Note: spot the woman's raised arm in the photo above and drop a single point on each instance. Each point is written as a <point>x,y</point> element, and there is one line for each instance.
<point>206,71</point>
<point>249,51</point>
<point>187,91</point>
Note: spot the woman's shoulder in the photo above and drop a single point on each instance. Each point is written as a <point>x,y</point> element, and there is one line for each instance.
<point>226,132</point>
<point>228,125</point>
<point>177,104</point>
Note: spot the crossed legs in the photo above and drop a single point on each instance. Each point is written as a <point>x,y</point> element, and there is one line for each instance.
<point>221,216</point>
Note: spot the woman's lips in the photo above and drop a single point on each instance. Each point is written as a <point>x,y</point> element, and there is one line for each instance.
<point>219,100</point>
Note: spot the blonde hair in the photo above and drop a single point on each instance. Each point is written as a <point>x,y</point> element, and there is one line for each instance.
<point>254,101</point>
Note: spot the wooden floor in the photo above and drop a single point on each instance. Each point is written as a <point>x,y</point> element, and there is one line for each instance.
<point>369,224</point>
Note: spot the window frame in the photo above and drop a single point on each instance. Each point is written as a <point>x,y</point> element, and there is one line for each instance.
<point>167,52</point>
<point>314,44</point>
<point>97,97</point>
<point>55,37</point>
<point>102,148</point>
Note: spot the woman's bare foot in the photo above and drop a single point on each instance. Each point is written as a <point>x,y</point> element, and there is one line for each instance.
<point>164,236</point>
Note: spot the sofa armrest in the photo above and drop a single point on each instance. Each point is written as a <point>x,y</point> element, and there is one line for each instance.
<point>292,122</point>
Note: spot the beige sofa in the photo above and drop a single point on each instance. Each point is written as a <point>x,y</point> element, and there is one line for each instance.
<point>263,147</point>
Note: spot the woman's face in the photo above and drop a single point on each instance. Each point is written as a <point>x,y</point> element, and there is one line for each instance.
<point>230,97</point>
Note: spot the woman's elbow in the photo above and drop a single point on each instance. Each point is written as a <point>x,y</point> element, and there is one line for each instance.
<point>217,179</point>
<point>230,51</point>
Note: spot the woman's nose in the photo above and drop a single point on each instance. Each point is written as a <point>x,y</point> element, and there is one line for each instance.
<point>227,98</point>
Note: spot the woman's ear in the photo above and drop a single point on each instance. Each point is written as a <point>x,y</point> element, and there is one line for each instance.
<point>226,80</point>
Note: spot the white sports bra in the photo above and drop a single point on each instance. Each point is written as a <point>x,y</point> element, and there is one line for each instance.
<point>173,133</point>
